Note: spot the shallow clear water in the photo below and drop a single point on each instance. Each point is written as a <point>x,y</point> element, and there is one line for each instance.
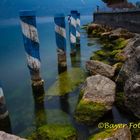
<point>25,115</point>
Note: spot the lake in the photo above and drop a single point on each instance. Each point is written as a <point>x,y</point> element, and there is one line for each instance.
<point>25,115</point>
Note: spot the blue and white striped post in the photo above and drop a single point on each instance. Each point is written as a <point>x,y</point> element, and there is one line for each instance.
<point>31,44</point>
<point>73,26</point>
<point>78,31</point>
<point>3,110</point>
<point>60,33</point>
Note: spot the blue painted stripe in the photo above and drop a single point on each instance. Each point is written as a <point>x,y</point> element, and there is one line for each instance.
<point>60,21</point>
<point>29,20</point>
<point>73,30</point>
<point>74,14</point>
<point>31,47</point>
<point>61,42</point>
<point>28,17</point>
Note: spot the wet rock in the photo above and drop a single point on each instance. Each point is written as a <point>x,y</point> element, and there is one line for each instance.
<point>6,136</point>
<point>92,27</point>
<point>132,94</point>
<point>111,134</point>
<point>138,54</point>
<point>98,97</point>
<point>130,67</point>
<point>121,33</point>
<point>97,67</point>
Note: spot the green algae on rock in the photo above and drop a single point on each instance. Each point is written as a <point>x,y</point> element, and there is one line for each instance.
<point>120,132</point>
<point>67,82</point>
<point>55,132</point>
<point>102,135</point>
<point>89,112</point>
<point>95,101</point>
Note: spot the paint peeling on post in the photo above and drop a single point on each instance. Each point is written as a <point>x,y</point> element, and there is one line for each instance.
<point>78,31</point>
<point>31,44</point>
<point>73,26</point>
<point>60,33</point>
<point>3,110</point>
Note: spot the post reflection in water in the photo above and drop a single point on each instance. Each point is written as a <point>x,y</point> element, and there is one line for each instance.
<point>5,124</point>
<point>76,59</point>
<point>63,99</point>
<point>40,114</point>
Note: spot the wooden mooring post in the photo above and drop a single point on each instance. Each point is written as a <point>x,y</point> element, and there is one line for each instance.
<point>31,44</point>
<point>60,34</point>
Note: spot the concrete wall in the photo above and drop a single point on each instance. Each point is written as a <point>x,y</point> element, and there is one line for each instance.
<point>129,19</point>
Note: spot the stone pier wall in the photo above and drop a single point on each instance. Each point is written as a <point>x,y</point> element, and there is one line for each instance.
<point>126,19</point>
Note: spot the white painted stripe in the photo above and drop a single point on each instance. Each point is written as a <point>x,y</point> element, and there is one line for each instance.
<point>60,51</point>
<point>60,30</point>
<point>33,63</point>
<point>78,22</point>
<point>73,22</point>
<point>77,34</point>
<point>4,115</point>
<point>1,93</point>
<point>72,38</point>
<point>2,100</point>
<point>29,31</point>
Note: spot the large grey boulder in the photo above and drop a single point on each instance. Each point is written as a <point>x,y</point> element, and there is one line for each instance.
<point>100,89</point>
<point>132,52</point>
<point>98,96</point>
<point>6,136</point>
<point>132,94</point>
<point>97,67</point>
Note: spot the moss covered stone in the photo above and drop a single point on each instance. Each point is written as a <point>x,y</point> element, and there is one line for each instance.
<point>102,135</point>
<point>114,52</point>
<point>55,132</point>
<point>120,43</point>
<point>119,57</point>
<point>88,112</point>
<point>121,132</point>
<point>67,82</point>
<point>118,66</point>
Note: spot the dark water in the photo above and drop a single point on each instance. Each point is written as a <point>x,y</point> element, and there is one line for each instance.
<point>25,114</point>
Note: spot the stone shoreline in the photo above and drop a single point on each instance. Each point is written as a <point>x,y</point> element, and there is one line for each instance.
<point>114,78</point>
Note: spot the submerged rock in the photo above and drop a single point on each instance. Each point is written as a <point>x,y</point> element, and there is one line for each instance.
<point>98,98</point>
<point>132,94</point>
<point>6,136</point>
<point>67,82</point>
<point>55,132</point>
<point>111,134</point>
<point>97,67</point>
